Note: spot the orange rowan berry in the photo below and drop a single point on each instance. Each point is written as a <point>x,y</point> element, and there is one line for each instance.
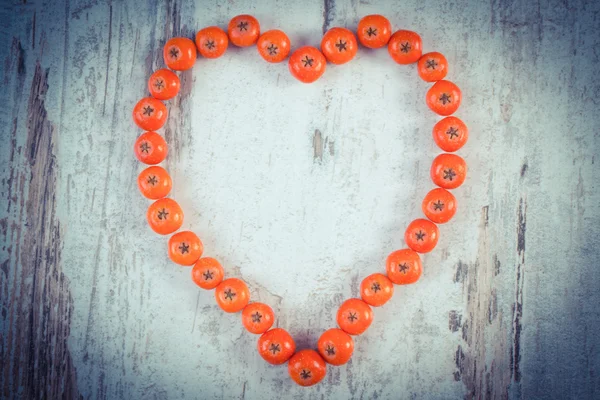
<point>405,47</point>
<point>450,134</point>
<point>150,148</point>
<point>335,346</point>
<point>374,31</point>
<point>421,235</point>
<point>432,67</point>
<point>211,42</point>
<point>376,290</point>
<point>165,216</point>
<point>180,53</point>
<point>257,317</point>
<point>150,114</point>
<point>164,84</point>
<point>154,182</point>
<point>354,316</point>
<point>307,368</point>
<point>339,45</point>
<point>404,267</point>
<point>307,64</point>
<point>443,97</point>
<point>439,205</point>
<point>207,273</point>
<point>274,46</point>
<point>185,248</point>
<point>276,346</point>
<point>243,30</point>
<point>448,171</point>
<point>232,295</point>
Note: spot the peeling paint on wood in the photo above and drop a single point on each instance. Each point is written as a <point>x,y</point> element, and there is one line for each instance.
<point>37,303</point>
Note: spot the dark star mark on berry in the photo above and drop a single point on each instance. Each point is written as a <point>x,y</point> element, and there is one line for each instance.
<point>208,275</point>
<point>274,348</point>
<point>371,31</point>
<point>210,44</point>
<point>148,110</point>
<point>420,235</point>
<point>403,268</point>
<point>184,248</point>
<point>272,49</point>
<point>162,214</point>
<point>330,350</point>
<point>431,64</point>
<point>152,180</point>
<point>341,46</point>
<point>229,294</point>
<point>256,317</point>
<point>405,47</point>
<point>308,62</point>
<point>438,206</point>
<point>352,317</point>
<point>159,84</point>
<point>145,148</point>
<point>376,287</point>
<point>449,174</point>
<point>445,98</point>
<point>174,52</point>
<point>452,131</point>
<point>305,374</point>
<point>243,26</point>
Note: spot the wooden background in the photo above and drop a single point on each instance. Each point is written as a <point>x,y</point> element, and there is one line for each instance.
<point>301,190</point>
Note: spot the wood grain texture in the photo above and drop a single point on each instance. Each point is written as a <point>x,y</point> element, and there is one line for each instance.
<point>301,190</point>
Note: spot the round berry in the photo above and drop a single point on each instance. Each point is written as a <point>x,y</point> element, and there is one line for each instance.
<point>448,171</point>
<point>185,248</point>
<point>421,235</point>
<point>450,134</point>
<point>276,346</point>
<point>307,368</point>
<point>439,205</point>
<point>404,267</point>
<point>376,290</point>
<point>164,84</point>
<point>274,46</point>
<point>150,114</point>
<point>232,295</point>
<point>257,317</point>
<point>211,42</point>
<point>154,182</point>
<point>405,47</point>
<point>165,216</point>
<point>443,97</point>
<point>374,31</point>
<point>207,273</point>
<point>243,30</point>
<point>307,64</point>
<point>432,67</point>
<point>180,53</point>
<point>339,45</point>
<point>150,148</point>
<point>354,316</point>
<point>335,346</point>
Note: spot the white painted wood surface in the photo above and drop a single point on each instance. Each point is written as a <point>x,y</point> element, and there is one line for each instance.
<point>301,190</point>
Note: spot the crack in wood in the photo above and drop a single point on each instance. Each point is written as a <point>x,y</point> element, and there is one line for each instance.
<point>517,308</point>
<point>327,14</point>
<point>320,144</point>
<point>484,375</point>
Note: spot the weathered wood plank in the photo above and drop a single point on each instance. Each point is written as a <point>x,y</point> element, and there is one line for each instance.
<point>301,191</point>
<point>36,302</point>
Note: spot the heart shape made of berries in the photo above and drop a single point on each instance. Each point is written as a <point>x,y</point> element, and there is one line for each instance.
<point>338,46</point>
